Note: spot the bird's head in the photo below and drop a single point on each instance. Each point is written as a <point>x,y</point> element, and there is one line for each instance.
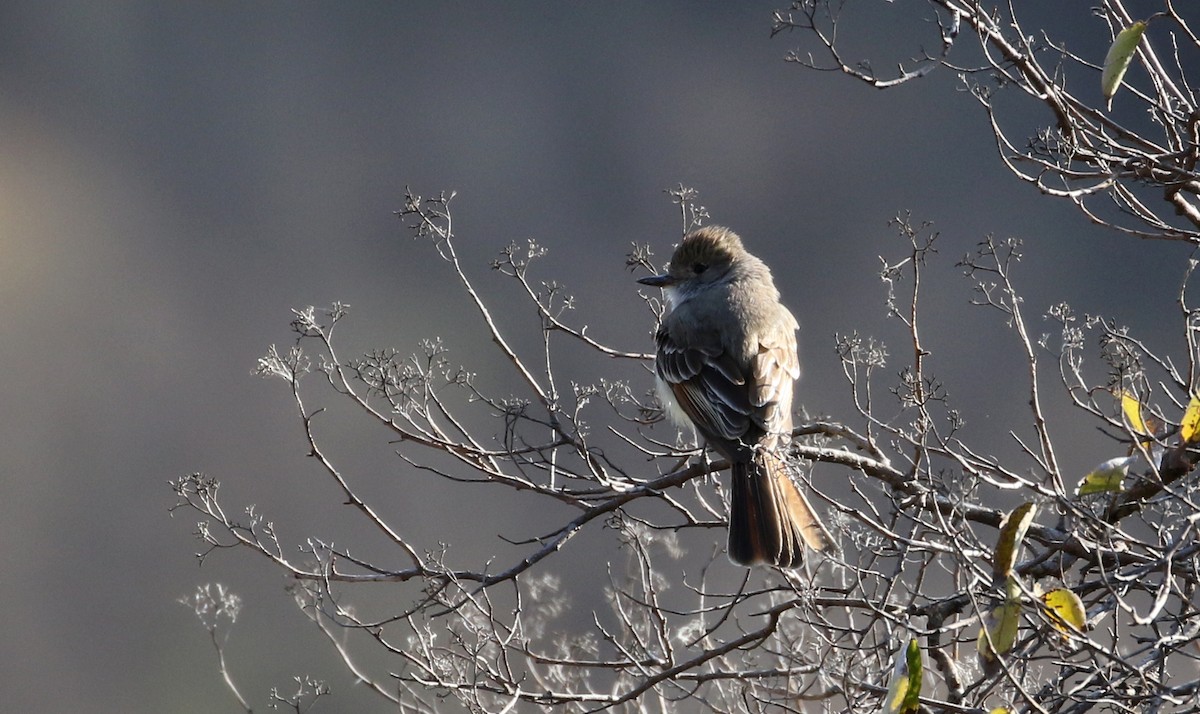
<point>702,258</point>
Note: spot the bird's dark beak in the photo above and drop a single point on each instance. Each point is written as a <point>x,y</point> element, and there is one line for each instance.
<point>658,281</point>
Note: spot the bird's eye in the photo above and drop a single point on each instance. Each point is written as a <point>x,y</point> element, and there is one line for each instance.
<point>699,268</point>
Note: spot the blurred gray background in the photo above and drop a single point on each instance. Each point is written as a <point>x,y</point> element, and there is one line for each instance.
<point>176,177</point>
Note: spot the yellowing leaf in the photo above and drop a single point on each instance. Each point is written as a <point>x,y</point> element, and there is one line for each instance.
<point>1012,532</point>
<point>1108,477</point>
<point>1132,409</point>
<point>999,630</point>
<point>904,692</point>
<point>1120,54</point>
<point>1189,429</point>
<point>1065,610</point>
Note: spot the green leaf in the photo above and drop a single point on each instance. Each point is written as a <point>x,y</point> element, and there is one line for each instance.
<point>1065,610</point>
<point>1012,532</point>
<point>1108,477</point>
<point>1117,60</point>
<point>999,630</point>
<point>904,692</point>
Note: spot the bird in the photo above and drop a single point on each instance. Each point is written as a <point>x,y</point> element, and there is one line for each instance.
<point>725,363</point>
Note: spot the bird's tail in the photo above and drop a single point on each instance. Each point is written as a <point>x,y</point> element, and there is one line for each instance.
<point>769,517</point>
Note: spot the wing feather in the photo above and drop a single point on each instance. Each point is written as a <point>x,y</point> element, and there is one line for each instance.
<point>708,386</point>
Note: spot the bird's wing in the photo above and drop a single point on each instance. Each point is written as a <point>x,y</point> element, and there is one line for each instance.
<point>709,387</point>
<point>775,369</point>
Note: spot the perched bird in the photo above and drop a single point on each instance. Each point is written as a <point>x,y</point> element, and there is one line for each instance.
<point>726,362</point>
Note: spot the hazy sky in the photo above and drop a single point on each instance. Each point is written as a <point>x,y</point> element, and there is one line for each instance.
<point>176,177</point>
